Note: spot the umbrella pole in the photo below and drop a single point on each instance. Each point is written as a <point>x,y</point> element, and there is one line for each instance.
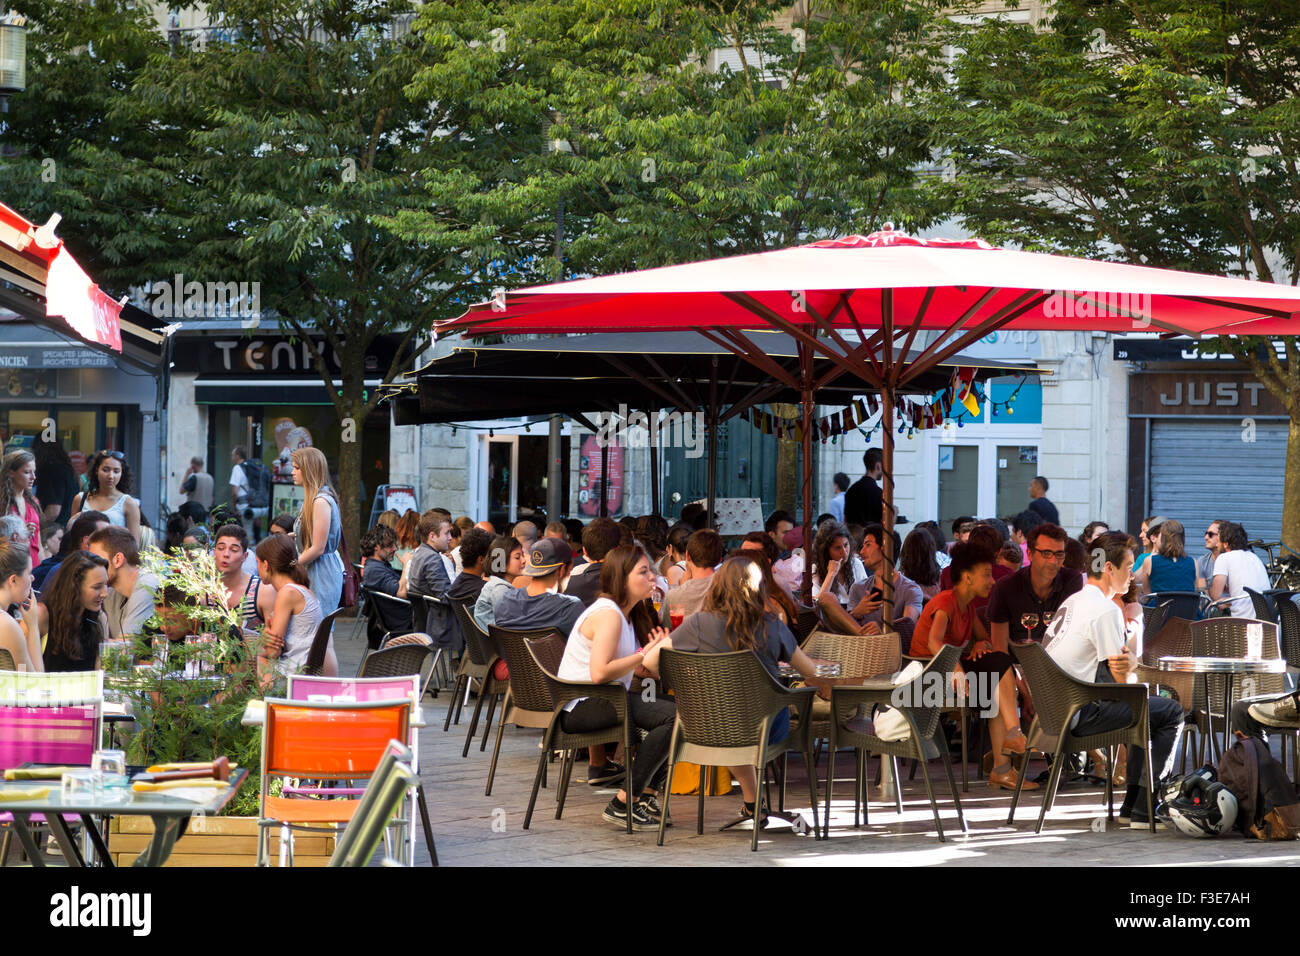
<point>806,423</point>
<point>654,467</point>
<point>713,440</point>
<point>887,498</point>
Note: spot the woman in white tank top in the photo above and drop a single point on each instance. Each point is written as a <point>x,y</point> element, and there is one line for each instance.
<point>602,649</point>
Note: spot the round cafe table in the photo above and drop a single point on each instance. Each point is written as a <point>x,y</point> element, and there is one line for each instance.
<point>1228,666</point>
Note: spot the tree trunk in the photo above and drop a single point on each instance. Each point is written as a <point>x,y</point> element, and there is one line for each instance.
<point>352,407</point>
<point>1291,490</point>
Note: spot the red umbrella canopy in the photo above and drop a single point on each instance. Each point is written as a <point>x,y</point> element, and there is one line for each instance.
<point>888,278</point>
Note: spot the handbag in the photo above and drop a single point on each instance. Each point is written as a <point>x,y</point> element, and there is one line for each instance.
<point>351,581</point>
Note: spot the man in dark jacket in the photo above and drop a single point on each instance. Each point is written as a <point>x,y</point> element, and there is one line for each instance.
<point>863,503</point>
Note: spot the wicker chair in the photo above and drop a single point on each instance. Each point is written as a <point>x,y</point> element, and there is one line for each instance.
<point>480,657</point>
<point>1154,617</point>
<point>1264,610</point>
<point>848,730</point>
<point>1189,605</point>
<point>380,610</point>
<point>546,653</point>
<point>398,660</point>
<point>1226,637</point>
<point>963,714</point>
<point>859,656</point>
<point>808,621</point>
<point>1288,616</point>
<point>528,700</point>
<point>1057,698</point>
<point>1179,638</point>
<point>6,661</point>
<point>726,704</point>
<point>320,644</point>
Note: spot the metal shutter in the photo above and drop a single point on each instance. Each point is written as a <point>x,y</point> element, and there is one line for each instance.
<point>1202,471</point>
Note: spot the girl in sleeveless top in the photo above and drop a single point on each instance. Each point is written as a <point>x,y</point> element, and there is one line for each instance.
<point>17,478</point>
<point>319,528</point>
<point>602,648</point>
<point>296,615</point>
<point>108,489</point>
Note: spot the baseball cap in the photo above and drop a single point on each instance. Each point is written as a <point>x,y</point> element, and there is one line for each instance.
<point>1155,522</point>
<point>547,555</point>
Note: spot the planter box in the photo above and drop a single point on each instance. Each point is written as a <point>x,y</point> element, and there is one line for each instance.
<point>223,841</point>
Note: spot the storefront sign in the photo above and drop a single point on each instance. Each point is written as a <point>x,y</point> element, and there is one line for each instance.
<point>36,357</point>
<point>230,354</point>
<point>1178,350</point>
<point>1200,394</point>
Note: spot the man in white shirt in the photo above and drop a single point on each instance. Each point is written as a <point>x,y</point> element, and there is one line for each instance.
<point>1087,640</point>
<point>1235,569</point>
<point>130,601</point>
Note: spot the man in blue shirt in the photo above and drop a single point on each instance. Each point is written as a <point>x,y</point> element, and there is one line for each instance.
<point>538,605</point>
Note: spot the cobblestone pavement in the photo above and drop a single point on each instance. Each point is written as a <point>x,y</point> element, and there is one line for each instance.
<point>475,830</point>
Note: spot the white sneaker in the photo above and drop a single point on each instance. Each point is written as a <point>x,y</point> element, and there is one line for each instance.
<point>1279,712</point>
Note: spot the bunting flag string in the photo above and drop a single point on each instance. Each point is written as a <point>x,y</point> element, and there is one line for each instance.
<point>962,398</point>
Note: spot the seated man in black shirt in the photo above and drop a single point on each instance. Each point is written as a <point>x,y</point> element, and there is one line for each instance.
<point>378,545</point>
<point>1022,604</point>
<point>474,546</point>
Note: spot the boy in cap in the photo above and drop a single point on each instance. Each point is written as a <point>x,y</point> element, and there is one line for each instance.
<point>538,604</point>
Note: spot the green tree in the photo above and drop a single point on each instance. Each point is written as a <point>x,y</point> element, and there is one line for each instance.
<point>651,132</point>
<point>1160,132</point>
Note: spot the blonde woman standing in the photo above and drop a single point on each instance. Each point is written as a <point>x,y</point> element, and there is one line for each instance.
<point>318,529</point>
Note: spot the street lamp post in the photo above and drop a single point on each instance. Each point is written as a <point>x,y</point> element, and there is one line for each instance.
<point>13,57</point>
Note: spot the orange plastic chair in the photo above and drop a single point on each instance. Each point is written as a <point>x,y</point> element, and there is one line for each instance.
<point>322,741</point>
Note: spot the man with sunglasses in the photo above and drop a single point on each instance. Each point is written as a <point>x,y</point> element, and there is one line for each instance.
<point>1205,563</point>
<point>1023,603</point>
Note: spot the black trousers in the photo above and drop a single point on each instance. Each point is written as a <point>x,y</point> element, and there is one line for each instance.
<point>654,716</point>
<point>1166,725</point>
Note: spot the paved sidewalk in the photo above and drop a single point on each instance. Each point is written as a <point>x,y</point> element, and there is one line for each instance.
<point>474,830</point>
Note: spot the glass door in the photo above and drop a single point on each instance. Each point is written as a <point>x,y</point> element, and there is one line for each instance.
<point>502,481</point>
<point>959,482</point>
<point>1016,467</point>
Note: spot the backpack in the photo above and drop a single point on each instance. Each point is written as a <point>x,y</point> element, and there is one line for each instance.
<point>1268,807</point>
<point>259,483</point>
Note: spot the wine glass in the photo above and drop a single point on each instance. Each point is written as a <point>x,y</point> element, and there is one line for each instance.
<point>1029,622</point>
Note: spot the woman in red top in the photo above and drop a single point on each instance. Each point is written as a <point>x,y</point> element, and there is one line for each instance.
<point>950,618</point>
<point>17,478</point>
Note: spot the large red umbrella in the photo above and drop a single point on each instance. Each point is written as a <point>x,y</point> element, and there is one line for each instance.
<point>883,290</point>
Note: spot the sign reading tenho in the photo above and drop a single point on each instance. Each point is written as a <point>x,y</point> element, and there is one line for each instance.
<point>75,909</point>
<point>194,300</point>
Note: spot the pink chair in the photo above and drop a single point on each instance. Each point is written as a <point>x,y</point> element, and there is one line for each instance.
<point>364,690</point>
<point>51,719</point>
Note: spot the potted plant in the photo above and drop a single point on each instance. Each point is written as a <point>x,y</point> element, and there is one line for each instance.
<point>188,679</point>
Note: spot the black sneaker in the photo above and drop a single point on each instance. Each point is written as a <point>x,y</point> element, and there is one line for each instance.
<point>650,804</point>
<point>1139,821</point>
<point>617,813</point>
<point>605,775</point>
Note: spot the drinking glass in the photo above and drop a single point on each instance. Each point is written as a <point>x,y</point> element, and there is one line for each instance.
<point>676,614</point>
<point>81,783</point>
<point>112,766</point>
<point>1029,622</point>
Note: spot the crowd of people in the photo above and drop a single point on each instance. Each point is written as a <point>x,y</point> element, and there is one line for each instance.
<point>622,591</point>
<point>68,586</point>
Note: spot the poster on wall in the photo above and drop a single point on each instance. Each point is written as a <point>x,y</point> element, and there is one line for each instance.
<point>590,485</point>
<point>287,499</point>
<point>289,437</point>
<point>738,516</point>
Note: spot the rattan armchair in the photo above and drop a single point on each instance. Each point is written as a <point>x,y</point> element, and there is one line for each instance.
<point>546,653</point>
<point>528,702</point>
<point>1057,698</point>
<point>481,656</point>
<point>1262,606</point>
<point>850,730</point>
<point>1288,620</point>
<point>381,609</point>
<point>315,665</point>
<point>726,704</point>
<point>1154,617</point>
<point>1189,605</point>
<point>6,661</point>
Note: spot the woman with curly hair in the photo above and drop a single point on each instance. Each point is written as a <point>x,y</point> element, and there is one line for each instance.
<point>72,613</point>
<point>17,478</point>
<point>108,489</point>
